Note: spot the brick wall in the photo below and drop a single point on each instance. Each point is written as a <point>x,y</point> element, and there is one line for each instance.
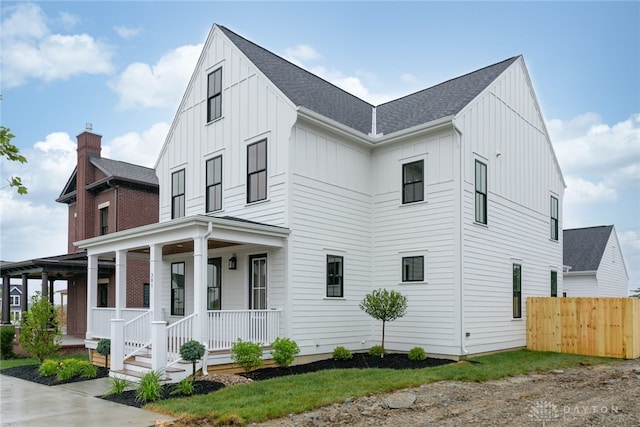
<point>136,208</point>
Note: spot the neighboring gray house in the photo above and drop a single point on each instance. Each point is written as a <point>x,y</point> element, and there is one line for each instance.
<point>594,265</point>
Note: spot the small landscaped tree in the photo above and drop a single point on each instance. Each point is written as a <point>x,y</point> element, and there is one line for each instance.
<point>192,351</point>
<point>104,348</point>
<point>384,305</point>
<point>40,334</point>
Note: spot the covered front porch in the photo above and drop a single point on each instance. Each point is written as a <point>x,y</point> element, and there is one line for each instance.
<point>214,280</point>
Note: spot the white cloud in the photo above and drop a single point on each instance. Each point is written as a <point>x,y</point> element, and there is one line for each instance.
<point>138,148</point>
<point>127,32</point>
<point>29,50</point>
<point>158,85</point>
<point>582,192</point>
<point>301,52</point>
<point>68,20</point>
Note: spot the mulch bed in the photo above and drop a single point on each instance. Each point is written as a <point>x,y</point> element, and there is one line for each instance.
<point>129,397</point>
<point>30,373</point>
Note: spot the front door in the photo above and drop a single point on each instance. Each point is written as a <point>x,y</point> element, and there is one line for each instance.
<point>258,282</point>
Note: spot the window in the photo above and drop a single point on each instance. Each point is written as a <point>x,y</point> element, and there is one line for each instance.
<point>214,95</point>
<point>413,182</point>
<point>104,221</point>
<point>554,218</point>
<point>15,299</point>
<point>413,269</point>
<point>335,279</point>
<point>103,294</point>
<point>554,283</point>
<point>258,282</point>
<point>177,194</point>
<point>214,184</point>
<point>481,192</point>
<point>146,295</point>
<point>257,171</point>
<point>517,291</point>
<point>214,283</point>
<point>177,289</point>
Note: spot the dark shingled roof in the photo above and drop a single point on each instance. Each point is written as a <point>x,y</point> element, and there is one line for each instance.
<point>310,91</point>
<point>584,247</point>
<point>125,171</point>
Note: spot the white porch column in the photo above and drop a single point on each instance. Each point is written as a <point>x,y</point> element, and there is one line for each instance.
<point>92,291</point>
<point>155,281</point>
<point>200,289</point>
<point>117,344</point>
<point>158,352</point>
<point>121,282</point>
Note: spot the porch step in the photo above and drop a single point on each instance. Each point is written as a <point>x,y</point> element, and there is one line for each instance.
<point>147,366</point>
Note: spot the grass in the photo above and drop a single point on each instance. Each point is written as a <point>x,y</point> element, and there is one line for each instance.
<point>263,400</point>
<point>24,361</point>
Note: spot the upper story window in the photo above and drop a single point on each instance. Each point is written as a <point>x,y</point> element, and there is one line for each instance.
<point>335,278</point>
<point>481,192</point>
<point>554,218</point>
<point>177,194</point>
<point>15,299</point>
<point>257,171</point>
<point>413,269</point>
<point>413,182</point>
<point>214,184</point>
<point>517,291</point>
<point>214,95</point>
<point>104,221</point>
<point>177,289</point>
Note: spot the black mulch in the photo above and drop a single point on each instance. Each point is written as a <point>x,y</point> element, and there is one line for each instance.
<point>129,397</point>
<point>30,373</point>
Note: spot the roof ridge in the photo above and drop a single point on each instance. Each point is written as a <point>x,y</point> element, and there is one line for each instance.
<point>587,228</point>
<point>124,162</point>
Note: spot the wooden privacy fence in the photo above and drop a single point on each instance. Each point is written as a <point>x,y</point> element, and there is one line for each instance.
<point>607,327</point>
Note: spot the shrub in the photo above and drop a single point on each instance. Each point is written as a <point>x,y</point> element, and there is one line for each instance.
<point>192,351</point>
<point>377,351</point>
<point>88,370</point>
<point>247,354</point>
<point>118,385</point>
<point>40,334</point>
<point>104,348</point>
<point>7,334</point>
<point>68,368</point>
<point>48,368</point>
<point>183,388</point>
<point>386,306</point>
<point>284,351</point>
<point>417,353</point>
<point>342,353</point>
<point>149,389</point>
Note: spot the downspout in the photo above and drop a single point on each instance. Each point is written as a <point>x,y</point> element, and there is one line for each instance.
<point>463,350</point>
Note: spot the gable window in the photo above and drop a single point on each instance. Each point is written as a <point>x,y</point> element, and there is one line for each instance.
<point>15,299</point>
<point>103,294</point>
<point>177,194</point>
<point>257,171</point>
<point>335,279</point>
<point>517,291</point>
<point>554,283</point>
<point>214,283</point>
<point>413,182</point>
<point>177,289</point>
<point>104,221</point>
<point>214,95</point>
<point>413,269</point>
<point>146,295</point>
<point>554,218</point>
<point>214,184</point>
<point>481,192</point>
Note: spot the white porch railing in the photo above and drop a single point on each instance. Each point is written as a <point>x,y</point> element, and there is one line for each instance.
<point>137,334</point>
<point>102,319</point>
<point>179,333</point>
<point>225,327</point>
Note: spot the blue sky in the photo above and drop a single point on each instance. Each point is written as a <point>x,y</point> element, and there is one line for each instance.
<point>123,66</point>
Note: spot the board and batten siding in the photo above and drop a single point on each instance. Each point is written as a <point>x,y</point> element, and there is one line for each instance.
<point>424,228</point>
<point>252,110</point>
<point>613,280</point>
<point>503,128</point>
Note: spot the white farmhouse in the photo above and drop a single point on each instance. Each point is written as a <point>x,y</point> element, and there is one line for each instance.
<point>284,200</point>
<point>594,265</point>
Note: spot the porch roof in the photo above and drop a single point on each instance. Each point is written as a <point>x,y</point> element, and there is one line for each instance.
<point>225,231</point>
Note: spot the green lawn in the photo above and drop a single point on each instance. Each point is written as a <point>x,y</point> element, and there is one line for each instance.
<point>23,361</point>
<point>263,400</point>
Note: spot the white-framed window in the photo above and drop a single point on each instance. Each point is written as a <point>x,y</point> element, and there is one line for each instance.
<point>15,300</point>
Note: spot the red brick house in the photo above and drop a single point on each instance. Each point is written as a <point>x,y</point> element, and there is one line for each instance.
<point>104,196</point>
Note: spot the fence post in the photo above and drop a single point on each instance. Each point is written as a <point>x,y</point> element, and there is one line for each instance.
<point>117,344</point>
<point>158,345</point>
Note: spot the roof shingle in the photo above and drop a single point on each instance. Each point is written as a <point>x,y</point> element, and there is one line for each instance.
<point>583,247</point>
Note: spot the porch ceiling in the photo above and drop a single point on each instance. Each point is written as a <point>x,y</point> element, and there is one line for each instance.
<point>186,247</point>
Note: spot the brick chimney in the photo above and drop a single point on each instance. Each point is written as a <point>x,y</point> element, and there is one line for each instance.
<point>89,145</point>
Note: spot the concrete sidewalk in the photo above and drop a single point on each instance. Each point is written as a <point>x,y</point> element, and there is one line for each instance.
<point>24,403</point>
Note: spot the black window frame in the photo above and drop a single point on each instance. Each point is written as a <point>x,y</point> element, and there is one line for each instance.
<point>104,221</point>
<point>554,214</point>
<point>178,189</point>
<point>214,95</point>
<point>177,288</point>
<point>214,287</point>
<point>257,171</point>
<point>146,295</point>
<point>213,184</point>
<point>554,283</point>
<point>480,192</point>
<point>517,290</point>
<point>412,185</point>
<point>103,295</point>
<point>408,269</point>
<point>335,278</point>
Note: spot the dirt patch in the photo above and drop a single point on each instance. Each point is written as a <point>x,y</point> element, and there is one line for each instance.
<point>604,395</point>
